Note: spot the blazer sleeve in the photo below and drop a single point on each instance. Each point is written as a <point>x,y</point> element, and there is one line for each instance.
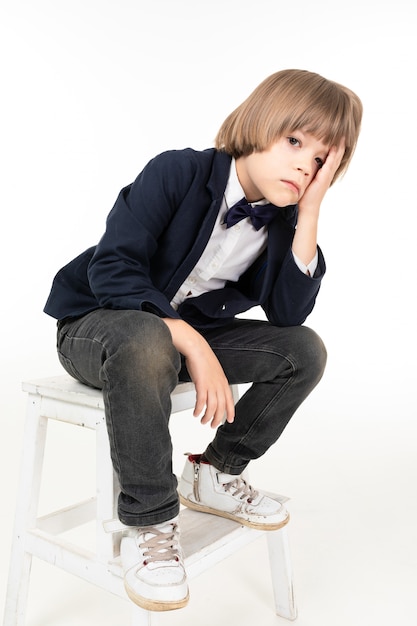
<point>293,294</point>
<point>119,272</point>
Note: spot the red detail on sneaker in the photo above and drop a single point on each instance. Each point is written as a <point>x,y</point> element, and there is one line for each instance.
<point>197,458</point>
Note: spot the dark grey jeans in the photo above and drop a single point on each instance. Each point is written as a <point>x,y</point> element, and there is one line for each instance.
<point>130,356</point>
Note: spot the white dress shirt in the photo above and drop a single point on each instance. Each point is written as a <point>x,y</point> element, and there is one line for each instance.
<point>229,251</point>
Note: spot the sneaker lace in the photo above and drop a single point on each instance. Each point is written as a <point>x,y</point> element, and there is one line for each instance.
<point>242,489</point>
<point>160,546</point>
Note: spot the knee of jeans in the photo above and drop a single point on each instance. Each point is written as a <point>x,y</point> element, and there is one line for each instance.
<point>146,345</point>
<point>312,354</point>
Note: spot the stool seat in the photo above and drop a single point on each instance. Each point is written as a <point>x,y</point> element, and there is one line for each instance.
<point>205,539</point>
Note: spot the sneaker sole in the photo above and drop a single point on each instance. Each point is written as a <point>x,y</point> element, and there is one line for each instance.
<point>234,518</point>
<point>156,605</point>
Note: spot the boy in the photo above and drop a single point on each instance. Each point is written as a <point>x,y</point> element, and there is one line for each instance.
<point>196,239</point>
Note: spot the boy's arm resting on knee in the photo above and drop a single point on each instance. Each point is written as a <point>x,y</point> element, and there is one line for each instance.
<point>214,398</point>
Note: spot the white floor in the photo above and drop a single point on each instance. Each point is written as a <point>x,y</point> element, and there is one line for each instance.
<point>352,484</point>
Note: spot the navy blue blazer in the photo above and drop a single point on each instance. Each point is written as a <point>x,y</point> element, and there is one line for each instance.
<point>155,234</point>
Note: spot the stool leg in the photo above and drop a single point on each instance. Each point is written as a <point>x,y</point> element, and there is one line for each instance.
<point>281,573</point>
<point>26,512</point>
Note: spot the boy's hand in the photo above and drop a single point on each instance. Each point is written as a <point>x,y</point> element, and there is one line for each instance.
<point>316,190</point>
<point>214,399</point>
<point>304,244</point>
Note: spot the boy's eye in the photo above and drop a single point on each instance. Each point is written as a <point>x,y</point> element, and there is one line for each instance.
<point>293,141</point>
<point>319,162</point>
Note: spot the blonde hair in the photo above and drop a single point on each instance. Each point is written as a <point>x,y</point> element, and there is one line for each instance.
<point>293,100</point>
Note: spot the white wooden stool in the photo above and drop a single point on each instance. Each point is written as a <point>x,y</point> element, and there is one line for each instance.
<point>206,539</point>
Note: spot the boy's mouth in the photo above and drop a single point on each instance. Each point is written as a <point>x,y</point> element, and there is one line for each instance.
<point>292,185</point>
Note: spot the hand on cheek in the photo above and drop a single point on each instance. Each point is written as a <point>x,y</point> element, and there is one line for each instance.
<point>319,185</point>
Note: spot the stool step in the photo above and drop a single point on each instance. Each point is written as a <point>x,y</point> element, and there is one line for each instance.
<point>206,540</point>
<point>202,535</point>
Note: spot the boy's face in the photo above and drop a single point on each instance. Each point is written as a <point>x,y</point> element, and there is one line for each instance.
<point>282,173</point>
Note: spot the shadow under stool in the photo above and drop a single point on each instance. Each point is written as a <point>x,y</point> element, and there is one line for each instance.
<point>206,539</point>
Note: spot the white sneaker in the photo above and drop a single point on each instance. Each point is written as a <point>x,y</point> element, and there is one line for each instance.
<point>203,488</point>
<point>152,561</point>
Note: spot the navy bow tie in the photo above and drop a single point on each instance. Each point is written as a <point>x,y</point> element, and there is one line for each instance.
<point>260,214</point>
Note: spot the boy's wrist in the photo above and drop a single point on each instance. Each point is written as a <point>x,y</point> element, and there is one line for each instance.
<point>308,211</point>
<point>184,337</point>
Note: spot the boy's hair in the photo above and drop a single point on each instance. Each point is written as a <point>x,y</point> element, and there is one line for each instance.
<point>293,100</point>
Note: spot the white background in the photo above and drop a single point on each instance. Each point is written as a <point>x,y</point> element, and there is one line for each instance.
<point>91,90</point>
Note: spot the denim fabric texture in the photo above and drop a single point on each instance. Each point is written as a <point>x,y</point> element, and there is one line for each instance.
<point>129,354</point>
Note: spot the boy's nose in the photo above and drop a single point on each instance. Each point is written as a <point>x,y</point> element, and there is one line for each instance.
<point>305,169</point>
